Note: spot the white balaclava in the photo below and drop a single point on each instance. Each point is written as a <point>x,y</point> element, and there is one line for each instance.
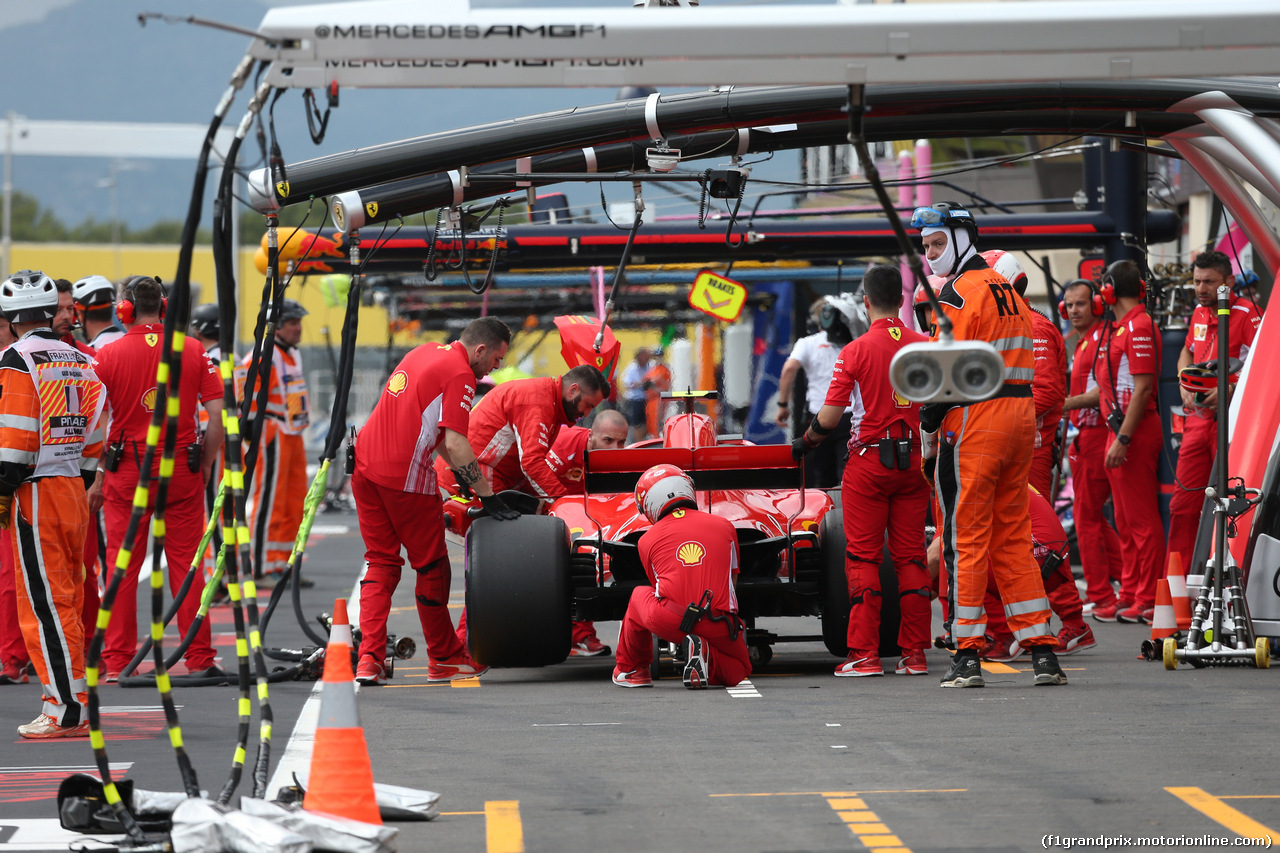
<point>958,242</point>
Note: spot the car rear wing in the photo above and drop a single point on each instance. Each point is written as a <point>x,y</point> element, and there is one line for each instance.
<point>734,466</point>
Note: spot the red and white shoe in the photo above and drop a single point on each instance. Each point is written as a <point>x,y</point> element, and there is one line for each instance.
<point>589,648</point>
<point>860,664</point>
<point>461,666</point>
<point>371,672</point>
<point>45,727</point>
<point>634,678</point>
<point>912,662</point>
<point>1072,640</point>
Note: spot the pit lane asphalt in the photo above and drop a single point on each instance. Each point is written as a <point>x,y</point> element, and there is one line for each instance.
<point>559,759</point>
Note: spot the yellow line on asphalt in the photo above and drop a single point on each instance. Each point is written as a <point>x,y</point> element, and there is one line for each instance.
<point>998,668</point>
<point>503,831</point>
<point>461,682</point>
<point>866,825</point>
<point>1236,821</point>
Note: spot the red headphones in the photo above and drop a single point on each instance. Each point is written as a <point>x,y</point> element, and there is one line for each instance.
<point>126,310</point>
<point>1097,306</point>
<point>1108,290</point>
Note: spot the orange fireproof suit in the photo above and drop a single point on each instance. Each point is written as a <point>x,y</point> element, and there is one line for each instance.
<point>50,404</point>
<point>984,459</point>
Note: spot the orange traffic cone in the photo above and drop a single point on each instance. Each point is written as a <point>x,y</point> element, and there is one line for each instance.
<point>341,778</point>
<point>1163,622</point>
<point>1178,592</point>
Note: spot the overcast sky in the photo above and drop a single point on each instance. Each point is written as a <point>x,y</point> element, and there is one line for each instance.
<point>97,64</point>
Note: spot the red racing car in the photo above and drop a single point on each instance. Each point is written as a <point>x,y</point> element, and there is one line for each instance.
<point>577,559</point>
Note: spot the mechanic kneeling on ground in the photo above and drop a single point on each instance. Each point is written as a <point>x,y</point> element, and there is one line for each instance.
<point>884,488</point>
<point>691,557</point>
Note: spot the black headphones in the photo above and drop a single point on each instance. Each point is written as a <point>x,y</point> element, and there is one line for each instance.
<point>125,308</point>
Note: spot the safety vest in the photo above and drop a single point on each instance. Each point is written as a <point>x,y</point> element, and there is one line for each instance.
<point>71,402</point>
<point>288,402</point>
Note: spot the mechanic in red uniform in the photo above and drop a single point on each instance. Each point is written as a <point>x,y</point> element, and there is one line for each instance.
<point>1210,270</point>
<point>50,402</point>
<point>883,489</point>
<point>64,322</point>
<point>608,431</point>
<point>1049,388</point>
<point>1100,558</point>
<point>13,651</point>
<point>128,370</point>
<point>512,432</point>
<point>984,456</point>
<point>424,408</point>
<point>1127,373</point>
<point>691,558</point>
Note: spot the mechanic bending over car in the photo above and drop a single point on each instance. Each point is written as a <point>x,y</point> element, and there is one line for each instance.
<point>513,429</point>
<point>607,432</point>
<point>883,488</point>
<point>424,408</point>
<point>691,558</point>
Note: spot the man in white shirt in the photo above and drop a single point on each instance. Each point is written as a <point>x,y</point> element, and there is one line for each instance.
<point>633,396</point>
<point>839,321</point>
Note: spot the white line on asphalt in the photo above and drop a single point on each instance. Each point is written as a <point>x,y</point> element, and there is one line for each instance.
<point>841,746</point>
<point>745,690</point>
<point>330,529</point>
<point>834,725</point>
<point>70,768</point>
<point>297,752</point>
<point>39,833</point>
<point>561,725</point>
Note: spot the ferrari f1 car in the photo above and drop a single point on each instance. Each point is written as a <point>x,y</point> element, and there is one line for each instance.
<point>528,579</point>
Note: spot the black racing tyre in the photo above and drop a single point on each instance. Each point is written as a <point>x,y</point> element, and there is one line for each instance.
<point>518,591</point>
<point>835,585</point>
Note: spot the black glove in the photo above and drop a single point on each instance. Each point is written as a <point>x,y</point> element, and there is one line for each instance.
<point>929,466</point>
<point>800,449</point>
<point>497,508</point>
<point>931,415</point>
<point>463,489</point>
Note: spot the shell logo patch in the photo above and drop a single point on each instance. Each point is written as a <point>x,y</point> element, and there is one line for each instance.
<point>900,402</point>
<point>573,475</point>
<point>152,338</point>
<point>397,383</point>
<point>691,554</point>
<point>149,400</point>
<point>1201,331</point>
<point>895,333</point>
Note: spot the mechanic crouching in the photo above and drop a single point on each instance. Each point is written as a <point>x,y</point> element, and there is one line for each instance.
<point>691,557</point>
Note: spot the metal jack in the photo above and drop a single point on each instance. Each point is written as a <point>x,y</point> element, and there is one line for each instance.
<point>1221,574</point>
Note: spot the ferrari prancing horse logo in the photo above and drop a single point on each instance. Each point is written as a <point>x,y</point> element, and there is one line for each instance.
<point>152,339</point>
<point>895,333</point>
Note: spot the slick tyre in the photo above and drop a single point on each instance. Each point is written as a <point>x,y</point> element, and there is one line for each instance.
<point>835,585</point>
<point>518,592</point>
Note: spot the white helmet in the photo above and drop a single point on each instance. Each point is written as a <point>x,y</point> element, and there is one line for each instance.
<point>846,307</point>
<point>1008,267</point>
<point>660,488</point>
<point>93,291</point>
<point>29,296</point>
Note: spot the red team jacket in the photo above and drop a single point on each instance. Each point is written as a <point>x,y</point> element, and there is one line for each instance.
<point>876,407</point>
<point>689,551</point>
<point>429,392</point>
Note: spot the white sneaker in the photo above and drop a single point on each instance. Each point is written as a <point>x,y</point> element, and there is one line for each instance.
<point>695,667</point>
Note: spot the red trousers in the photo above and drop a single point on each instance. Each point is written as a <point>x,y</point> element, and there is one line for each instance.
<point>184,522</point>
<point>1041,476</point>
<point>878,500</point>
<point>1195,470</point>
<point>728,661</point>
<point>1135,492</point>
<point>390,518</point>
<point>984,459</point>
<point>1100,555</point>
